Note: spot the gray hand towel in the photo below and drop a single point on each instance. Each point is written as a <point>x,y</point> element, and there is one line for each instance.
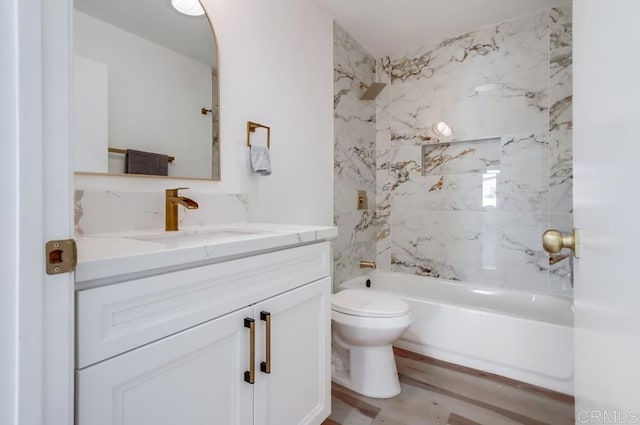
<point>140,162</point>
<point>260,160</point>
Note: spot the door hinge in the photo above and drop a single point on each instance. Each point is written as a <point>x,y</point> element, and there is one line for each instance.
<point>61,256</point>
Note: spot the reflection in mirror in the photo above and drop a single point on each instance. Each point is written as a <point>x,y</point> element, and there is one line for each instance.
<point>146,90</point>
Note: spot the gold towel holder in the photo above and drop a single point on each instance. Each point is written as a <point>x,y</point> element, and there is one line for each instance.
<point>251,128</point>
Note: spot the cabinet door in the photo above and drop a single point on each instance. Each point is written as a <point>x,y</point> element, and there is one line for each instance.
<point>298,389</point>
<point>194,377</point>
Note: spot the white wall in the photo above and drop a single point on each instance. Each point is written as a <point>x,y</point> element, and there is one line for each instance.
<point>91,115</point>
<point>155,97</point>
<point>275,68</point>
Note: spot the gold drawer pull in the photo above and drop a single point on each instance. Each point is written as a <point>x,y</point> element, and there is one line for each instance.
<point>266,366</point>
<point>250,375</point>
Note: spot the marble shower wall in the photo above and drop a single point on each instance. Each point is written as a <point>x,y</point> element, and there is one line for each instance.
<point>354,156</point>
<point>478,209</point>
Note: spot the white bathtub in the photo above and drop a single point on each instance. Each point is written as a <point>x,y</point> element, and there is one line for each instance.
<point>514,334</point>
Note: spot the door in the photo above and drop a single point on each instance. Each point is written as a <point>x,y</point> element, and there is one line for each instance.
<point>194,377</point>
<point>606,201</point>
<point>297,391</point>
<point>37,309</point>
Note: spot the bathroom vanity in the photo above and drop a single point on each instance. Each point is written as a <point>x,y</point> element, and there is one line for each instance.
<point>220,325</point>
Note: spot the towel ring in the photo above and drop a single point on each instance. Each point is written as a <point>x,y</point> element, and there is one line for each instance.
<point>251,128</point>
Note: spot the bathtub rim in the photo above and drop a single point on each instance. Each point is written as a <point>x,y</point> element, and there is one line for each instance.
<point>566,302</point>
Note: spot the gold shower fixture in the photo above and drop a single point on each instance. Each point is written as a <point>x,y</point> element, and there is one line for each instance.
<point>373,90</point>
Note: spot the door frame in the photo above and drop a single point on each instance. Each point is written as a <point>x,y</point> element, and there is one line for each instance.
<point>37,169</point>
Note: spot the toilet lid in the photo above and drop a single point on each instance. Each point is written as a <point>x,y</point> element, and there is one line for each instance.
<point>368,303</point>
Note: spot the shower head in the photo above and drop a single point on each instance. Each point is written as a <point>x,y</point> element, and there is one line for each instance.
<point>373,90</point>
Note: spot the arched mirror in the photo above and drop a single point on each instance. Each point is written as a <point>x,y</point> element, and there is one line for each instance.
<point>145,89</point>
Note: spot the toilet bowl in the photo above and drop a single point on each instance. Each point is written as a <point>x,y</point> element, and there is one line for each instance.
<point>364,324</point>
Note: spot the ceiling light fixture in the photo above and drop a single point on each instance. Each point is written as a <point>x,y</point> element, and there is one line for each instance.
<point>188,7</point>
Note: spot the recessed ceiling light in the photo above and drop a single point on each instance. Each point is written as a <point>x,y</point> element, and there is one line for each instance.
<point>188,7</point>
<point>442,129</point>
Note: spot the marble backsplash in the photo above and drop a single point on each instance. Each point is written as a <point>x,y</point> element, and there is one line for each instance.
<point>106,211</point>
<point>473,206</point>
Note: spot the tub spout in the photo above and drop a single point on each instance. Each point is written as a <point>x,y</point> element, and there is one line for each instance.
<point>367,264</point>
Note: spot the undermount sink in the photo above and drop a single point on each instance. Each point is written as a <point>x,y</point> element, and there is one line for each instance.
<point>196,235</point>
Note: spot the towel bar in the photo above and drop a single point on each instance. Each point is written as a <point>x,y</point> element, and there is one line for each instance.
<point>124,152</point>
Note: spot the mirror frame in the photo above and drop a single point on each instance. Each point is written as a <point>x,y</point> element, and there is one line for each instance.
<point>212,178</point>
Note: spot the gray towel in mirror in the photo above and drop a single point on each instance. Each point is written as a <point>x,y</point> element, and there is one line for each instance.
<point>140,162</point>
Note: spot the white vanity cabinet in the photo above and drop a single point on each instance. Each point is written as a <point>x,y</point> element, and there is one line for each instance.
<point>298,388</point>
<point>177,347</point>
<point>193,377</point>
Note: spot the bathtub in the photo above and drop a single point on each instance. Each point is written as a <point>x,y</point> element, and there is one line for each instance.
<point>515,334</point>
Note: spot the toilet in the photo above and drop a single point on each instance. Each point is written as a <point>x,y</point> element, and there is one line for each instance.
<point>364,324</point>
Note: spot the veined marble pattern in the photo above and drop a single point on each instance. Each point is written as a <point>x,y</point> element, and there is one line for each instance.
<point>106,211</point>
<point>383,179</point>
<point>405,166</point>
<point>516,37</point>
<point>354,170</point>
<point>456,192</point>
<point>354,119</point>
<point>561,73</point>
<point>522,184</point>
<point>483,103</point>
<point>462,157</point>
<point>355,157</point>
<point>383,240</point>
<point>436,243</point>
<point>561,172</point>
<point>383,165</point>
<point>478,212</point>
<point>489,82</point>
<point>561,18</point>
<point>357,232</point>
<point>383,75</point>
<point>561,93</point>
<point>459,176</point>
<point>492,248</point>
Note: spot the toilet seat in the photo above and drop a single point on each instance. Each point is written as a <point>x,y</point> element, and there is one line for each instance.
<point>368,303</point>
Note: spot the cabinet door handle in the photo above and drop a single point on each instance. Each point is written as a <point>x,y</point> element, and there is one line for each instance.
<point>266,366</point>
<point>250,375</point>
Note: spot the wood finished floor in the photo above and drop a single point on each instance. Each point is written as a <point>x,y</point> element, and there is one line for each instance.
<point>439,393</point>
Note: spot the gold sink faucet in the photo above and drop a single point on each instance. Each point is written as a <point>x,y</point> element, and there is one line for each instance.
<point>171,207</point>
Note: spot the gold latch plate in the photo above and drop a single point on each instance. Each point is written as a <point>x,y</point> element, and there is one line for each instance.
<point>61,256</point>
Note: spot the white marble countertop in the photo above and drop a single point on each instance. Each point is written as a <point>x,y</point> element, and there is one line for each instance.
<point>105,257</point>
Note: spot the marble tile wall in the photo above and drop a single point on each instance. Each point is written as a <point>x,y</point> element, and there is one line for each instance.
<point>106,211</point>
<point>477,210</point>
<point>354,156</point>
